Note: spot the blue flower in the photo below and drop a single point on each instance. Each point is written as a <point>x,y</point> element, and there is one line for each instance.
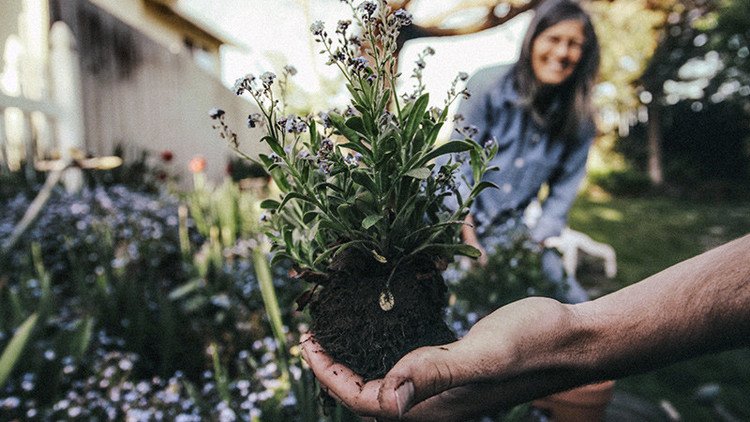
<point>317,28</point>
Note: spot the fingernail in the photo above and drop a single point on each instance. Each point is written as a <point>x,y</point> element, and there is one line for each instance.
<point>404,395</point>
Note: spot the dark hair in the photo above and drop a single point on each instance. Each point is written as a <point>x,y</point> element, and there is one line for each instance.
<point>574,95</point>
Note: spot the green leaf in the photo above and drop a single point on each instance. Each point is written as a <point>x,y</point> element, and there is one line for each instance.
<point>267,162</point>
<point>433,134</point>
<point>475,160</point>
<point>296,195</point>
<point>417,113</point>
<point>186,289</point>
<point>14,349</point>
<point>324,185</point>
<point>314,138</point>
<point>451,249</point>
<point>450,147</point>
<point>434,228</point>
<point>465,250</point>
<point>338,122</point>
<point>279,177</point>
<point>355,93</point>
<point>309,216</point>
<point>278,257</point>
<point>82,337</point>
<point>384,100</point>
<point>275,145</point>
<point>337,250</point>
<point>370,221</point>
<point>362,149</point>
<point>357,124</point>
<point>482,186</point>
<point>363,179</point>
<point>378,257</point>
<point>419,173</point>
<point>270,204</point>
<point>344,211</point>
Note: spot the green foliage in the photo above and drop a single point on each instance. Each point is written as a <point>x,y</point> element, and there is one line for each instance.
<point>122,299</point>
<point>12,352</point>
<point>628,182</point>
<point>705,153</point>
<point>364,178</point>
<point>628,32</point>
<point>513,272</point>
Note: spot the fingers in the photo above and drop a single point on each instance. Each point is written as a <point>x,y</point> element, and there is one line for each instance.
<point>421,374</point>
<point>340,382</point>
<point>429,380</point>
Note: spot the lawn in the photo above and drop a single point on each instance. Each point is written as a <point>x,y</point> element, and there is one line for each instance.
<point>649,235</point>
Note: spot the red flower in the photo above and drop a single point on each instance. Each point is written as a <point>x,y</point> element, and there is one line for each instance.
<point>167,155</point>
<point>197,164</point>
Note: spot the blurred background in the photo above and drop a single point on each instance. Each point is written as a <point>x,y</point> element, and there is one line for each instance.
<point>133,278</point>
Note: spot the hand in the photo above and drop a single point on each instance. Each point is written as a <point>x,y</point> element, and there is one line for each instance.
<point>469,236</point>
<point>470,377</point>
<point>483,259</point>
<point>537,346</point>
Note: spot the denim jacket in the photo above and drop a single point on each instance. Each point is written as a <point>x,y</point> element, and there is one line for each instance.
<point>527,157</point>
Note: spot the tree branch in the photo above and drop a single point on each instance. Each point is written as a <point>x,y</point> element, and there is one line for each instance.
<point>491,20</point>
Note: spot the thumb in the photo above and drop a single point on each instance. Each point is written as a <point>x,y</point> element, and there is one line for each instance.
<point>419,375</point>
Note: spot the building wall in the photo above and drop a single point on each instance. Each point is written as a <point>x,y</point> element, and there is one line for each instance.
<point>150,19</point>
<point>139,94</point>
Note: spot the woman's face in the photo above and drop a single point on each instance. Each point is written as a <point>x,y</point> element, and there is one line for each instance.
<point>556,51</point>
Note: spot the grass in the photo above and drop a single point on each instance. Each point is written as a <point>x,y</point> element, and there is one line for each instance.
<point>649,235</point>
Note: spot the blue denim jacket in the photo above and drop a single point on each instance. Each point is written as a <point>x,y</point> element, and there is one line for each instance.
<point>527,157</point>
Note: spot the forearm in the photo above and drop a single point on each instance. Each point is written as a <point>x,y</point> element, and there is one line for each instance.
<point>698,306</point>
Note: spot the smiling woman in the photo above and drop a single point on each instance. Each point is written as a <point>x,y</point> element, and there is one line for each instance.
<point>556,52</point>
<point>539,113</point>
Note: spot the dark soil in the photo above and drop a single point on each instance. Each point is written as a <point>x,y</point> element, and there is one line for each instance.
<point>353,329</point>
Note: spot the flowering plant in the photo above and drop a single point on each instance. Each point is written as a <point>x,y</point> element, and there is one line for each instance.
<point>363,178</point>
<point>363,210</point>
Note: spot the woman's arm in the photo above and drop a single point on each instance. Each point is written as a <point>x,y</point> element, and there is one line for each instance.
<point>537,346</point>
<point>469,237</point>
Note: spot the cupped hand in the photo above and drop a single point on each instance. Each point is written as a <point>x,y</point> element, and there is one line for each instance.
<point>474,376</point>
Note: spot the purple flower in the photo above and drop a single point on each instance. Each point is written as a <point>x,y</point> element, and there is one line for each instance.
<point>343,25</point>
<point>254,120</point>
<point>268,78</point>
<point>290,70</point>
<point>239,86</point>
<point>368,8</point>
<point>358,64</point>
<point>403,18</point>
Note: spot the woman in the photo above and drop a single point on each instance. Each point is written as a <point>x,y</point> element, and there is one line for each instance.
<point>540,114</point>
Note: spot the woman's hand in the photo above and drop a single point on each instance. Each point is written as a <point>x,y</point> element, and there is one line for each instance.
<point>469,236</point>
<point>470,377</point>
